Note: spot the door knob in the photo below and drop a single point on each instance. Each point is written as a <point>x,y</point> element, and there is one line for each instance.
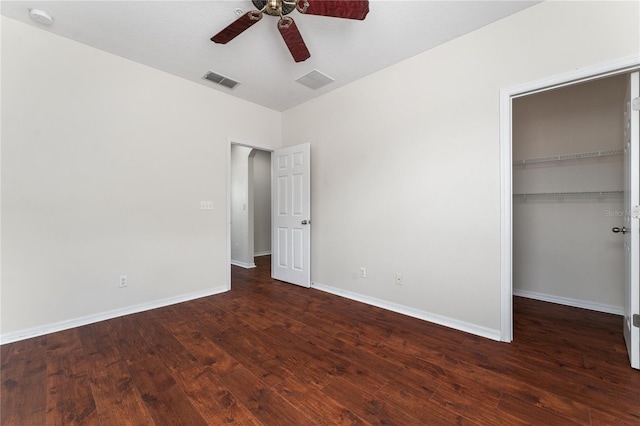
<point>305,222</point>
<point>623,230</point>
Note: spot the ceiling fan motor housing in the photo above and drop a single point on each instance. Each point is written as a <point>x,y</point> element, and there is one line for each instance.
<point>275,7</point>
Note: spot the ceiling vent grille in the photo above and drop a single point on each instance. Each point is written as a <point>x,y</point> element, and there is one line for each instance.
<point>220,79</point>
<point>315,80</point>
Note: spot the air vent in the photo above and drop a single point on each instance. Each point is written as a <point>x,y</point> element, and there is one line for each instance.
<point>220,79</point>
<point>315,80</point>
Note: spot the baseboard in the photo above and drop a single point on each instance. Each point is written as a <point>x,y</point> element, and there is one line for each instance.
<point>263,253</point>
<point>243,264</point>
<point>90,319</point>
<point>584,304</point>
<point>412,312</point>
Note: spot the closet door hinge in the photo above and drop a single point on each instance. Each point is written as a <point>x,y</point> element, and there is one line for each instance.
<point>635,212</point>
<point>636,320</point>
<point>635,104</point>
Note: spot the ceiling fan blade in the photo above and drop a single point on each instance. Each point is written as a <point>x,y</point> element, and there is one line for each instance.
<point>293,39</point>
<point>237,27</point>
<point>350,9</point>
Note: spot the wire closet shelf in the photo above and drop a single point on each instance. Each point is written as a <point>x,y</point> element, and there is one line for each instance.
<point>569,195</point>
<point>567,157</point>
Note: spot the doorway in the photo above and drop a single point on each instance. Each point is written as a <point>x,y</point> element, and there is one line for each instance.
<point>250,204</point>
<point>290,207</point>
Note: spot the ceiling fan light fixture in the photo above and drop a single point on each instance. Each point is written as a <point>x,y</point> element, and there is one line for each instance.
<point>275,7</point>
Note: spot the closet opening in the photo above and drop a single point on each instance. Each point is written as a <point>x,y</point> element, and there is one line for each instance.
<point>567,171</point>
<point>627,67</point>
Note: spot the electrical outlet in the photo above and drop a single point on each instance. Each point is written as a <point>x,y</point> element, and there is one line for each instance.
<point>398,278</point>
<point>123,281</point>
<point>363,272</point>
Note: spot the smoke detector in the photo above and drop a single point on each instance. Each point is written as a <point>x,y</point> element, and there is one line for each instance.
<point>40,16</point>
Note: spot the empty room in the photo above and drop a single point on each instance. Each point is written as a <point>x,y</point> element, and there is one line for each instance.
<point>304,212</point>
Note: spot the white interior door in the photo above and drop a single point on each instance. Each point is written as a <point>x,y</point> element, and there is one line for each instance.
<point>631,229</point>
<point>291,216</point>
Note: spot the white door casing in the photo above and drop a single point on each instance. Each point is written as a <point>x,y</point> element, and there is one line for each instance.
<point>609,68</point>
<point>631,230</point>
<point>291,215</point>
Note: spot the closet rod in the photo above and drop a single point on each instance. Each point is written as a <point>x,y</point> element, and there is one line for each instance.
<point>573,195</point>
<point>578,156</point>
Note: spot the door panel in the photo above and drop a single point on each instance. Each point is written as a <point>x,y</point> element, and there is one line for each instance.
<point>298,250</point>
<point>283,249</point>
<point>631,229</point>
<point>282,195</point>
<point>291,259</point>
<point>298,194</point>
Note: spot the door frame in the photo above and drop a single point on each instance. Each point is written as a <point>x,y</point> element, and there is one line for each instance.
<point>606,69</point>
<point>230,142</point>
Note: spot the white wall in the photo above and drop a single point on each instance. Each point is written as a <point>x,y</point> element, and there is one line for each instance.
<point>405,165</point>
<point>565,248</point>
<point>104,164</point>
<point>262,202</point>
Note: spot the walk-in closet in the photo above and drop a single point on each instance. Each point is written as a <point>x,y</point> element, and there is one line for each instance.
<point>567,195</point>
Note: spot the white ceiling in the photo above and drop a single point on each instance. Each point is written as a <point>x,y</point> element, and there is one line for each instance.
<point>174,36</point>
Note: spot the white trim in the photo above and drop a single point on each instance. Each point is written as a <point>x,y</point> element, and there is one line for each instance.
<point>229,142</point>
<point>263,253</point>
<point>248,144</point>
<point>605,69</point>
<point>412,312</point>
<point>90,319</point>
<point>506,249</point>
<point>576,303</point>
<point>244,265</point>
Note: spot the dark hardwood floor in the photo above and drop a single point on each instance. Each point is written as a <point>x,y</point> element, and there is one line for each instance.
<point>275,354</point>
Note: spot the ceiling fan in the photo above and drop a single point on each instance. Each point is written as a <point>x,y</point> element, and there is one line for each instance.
<point>350,9</point>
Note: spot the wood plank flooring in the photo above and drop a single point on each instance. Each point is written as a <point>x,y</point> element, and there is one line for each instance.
<point>269,353</point>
